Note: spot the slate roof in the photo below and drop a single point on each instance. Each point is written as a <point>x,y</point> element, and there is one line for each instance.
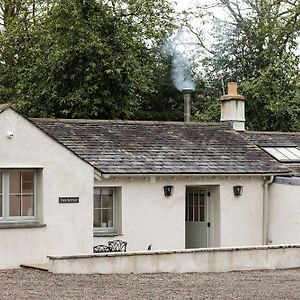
<point>116,147</point>
<point>277,139</point>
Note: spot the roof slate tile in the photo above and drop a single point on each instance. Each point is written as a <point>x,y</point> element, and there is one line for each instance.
<point>160,148</point>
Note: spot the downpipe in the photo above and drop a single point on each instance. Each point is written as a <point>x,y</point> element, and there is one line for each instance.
<point>265,238</point>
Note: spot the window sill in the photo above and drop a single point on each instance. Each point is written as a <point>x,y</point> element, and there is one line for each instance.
<point>21,225</point>
<point>107,234</point>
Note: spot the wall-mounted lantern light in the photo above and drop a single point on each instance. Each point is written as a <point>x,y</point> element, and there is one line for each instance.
<point>238,190</point>
<point>168,190</point>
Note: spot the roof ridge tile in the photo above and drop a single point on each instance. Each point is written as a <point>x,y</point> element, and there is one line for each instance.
<point>129,122</point>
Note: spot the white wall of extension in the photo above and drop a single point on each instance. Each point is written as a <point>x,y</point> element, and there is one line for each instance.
<point>148,217</point>
<point>68,227</point>
<point>284,214</point>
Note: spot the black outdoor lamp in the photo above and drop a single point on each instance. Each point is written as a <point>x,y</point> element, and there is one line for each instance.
<point>168,190</point>
<point>238,190</point>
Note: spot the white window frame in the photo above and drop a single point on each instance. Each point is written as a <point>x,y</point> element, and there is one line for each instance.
<point>6,218</point>
<point>107,230</point>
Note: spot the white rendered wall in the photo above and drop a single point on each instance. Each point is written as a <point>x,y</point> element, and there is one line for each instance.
<point>242,217</point>
<point>148,217</point>
<point>284,223</point>
<point>199,260</point>
<point>69,227</point>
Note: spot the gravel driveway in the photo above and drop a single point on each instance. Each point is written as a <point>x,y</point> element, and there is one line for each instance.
<point>35,284</point>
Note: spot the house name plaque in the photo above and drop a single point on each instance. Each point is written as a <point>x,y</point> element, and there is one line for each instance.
<point>68,200</point>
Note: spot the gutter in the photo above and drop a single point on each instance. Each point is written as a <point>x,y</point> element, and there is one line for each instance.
<point>265,236</point>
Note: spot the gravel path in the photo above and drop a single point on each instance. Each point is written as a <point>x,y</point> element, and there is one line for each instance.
<point>35,284</point>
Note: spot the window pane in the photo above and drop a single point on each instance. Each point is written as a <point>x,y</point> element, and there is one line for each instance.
<point>28,206</point>
<point>0,206</point>
<point>97,201</point>
<point>14,206</point>
<point>275,153</point>
<point>97,218</point>
<point>284,153</point>
<point>107,201</point>
<point>107,192</point>
<point>107,218</point>
<point>290,155</point>
<point>202,199</point>
<point>296,151</point>
<point>14,182</point>
<point>96,191</point>
<point>28,182</point>
<point>196,199</point>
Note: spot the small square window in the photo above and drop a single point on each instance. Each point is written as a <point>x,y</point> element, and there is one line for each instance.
<point>17,195</point>
<point>106,210</point>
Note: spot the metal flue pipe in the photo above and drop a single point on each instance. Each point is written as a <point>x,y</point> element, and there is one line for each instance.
<point>187,104</point>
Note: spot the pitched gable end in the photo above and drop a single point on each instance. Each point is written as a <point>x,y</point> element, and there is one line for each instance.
<point>5,106</point>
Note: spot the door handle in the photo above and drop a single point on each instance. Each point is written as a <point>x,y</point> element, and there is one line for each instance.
<point>208,224</point>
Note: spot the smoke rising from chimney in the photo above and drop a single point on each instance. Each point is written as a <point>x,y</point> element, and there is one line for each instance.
<point>181,71</point>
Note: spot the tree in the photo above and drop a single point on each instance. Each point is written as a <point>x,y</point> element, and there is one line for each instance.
<point>86,58</point>
<point>17,18</point>
<point>258,48</point>
<point>165,102</point>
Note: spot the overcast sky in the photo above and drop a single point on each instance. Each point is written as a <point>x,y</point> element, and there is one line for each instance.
<point>187,40</point>
<point>185,4</point>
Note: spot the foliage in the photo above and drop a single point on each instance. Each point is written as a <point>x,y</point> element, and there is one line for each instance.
<point>83,58</point>
<point>102,59</point>
<point>166,102</point>
<point>258,49</point>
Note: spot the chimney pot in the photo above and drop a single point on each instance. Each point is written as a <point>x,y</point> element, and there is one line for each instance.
<point>232,88</point>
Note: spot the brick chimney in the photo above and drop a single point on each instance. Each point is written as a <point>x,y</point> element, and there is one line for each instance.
<point>233,108</point>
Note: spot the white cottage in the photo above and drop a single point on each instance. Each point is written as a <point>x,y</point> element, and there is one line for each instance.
<point>67,185</point>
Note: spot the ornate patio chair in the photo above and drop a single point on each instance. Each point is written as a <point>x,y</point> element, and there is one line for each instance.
<point>117,246</point>
<point>101,249</point>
